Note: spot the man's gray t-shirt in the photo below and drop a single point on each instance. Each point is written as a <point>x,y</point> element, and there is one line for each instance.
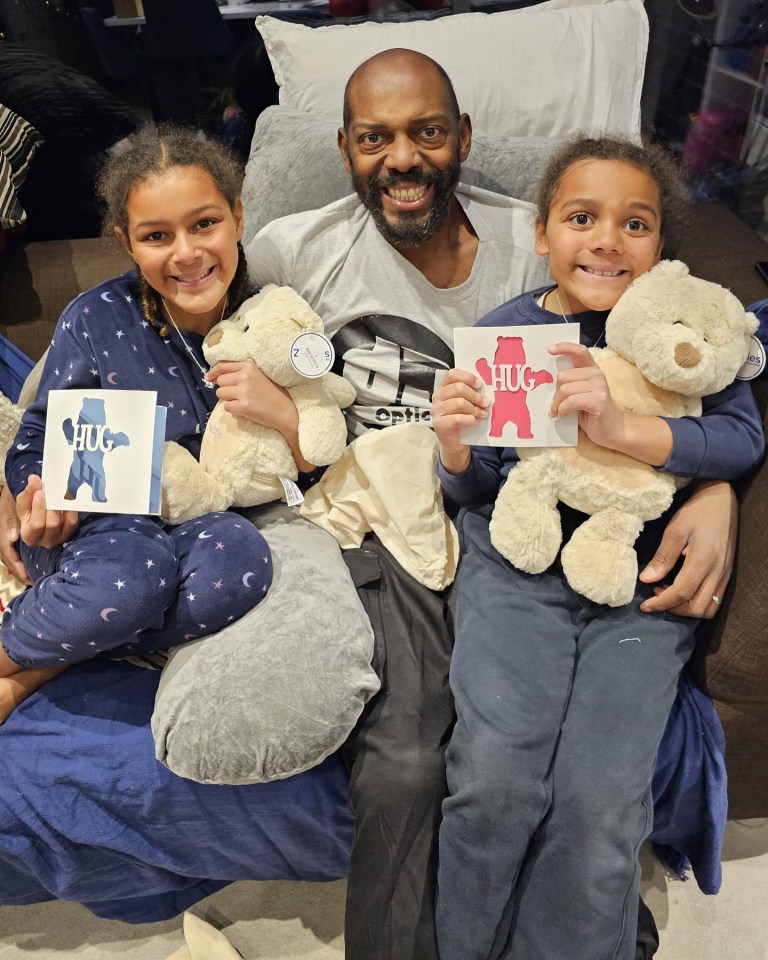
<point>392,330</point>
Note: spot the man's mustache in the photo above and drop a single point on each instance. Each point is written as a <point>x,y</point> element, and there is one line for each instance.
<point>417,176</point>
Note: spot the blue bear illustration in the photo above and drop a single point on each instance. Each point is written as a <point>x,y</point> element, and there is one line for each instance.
<point>91,439</point>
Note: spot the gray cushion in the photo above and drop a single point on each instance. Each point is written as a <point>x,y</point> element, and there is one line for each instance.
<point>295,165</point>
<point>279,690</point>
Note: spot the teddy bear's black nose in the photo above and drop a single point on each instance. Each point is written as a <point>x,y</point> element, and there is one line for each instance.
<point>686,355</point>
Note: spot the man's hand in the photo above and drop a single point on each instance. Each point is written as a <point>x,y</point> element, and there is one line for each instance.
<point>703,531</point>
<point>41,527</point>
<point>457,403</point>
<point>10,531</point>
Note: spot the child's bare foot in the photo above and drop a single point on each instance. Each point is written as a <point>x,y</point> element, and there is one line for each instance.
<point>17,683</point>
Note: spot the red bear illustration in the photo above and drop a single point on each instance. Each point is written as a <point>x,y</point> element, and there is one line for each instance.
<point>511,378</point>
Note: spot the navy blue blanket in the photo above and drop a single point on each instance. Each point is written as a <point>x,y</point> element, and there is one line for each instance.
<point>690,789</point>
<point>88,814</point>
<point>15,367</point>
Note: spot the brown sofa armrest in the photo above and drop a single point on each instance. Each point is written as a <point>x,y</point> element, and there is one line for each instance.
<point>719,246</point>
<point>731,659</point>
<point>37,280</point>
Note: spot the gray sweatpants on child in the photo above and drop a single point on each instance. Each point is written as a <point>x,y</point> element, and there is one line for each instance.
<point>561,705</point>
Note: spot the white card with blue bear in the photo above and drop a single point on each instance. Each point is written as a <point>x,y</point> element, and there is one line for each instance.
<point>103,451</point>
<point>519,375</point>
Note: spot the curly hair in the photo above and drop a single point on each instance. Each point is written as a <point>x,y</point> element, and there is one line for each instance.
<point>154,151</point>
<point>650,158</point>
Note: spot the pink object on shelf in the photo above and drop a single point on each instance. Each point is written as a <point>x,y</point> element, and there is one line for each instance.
<point>713,135</point>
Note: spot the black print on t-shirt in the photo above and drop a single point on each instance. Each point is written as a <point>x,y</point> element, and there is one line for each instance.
<point>393,363</point>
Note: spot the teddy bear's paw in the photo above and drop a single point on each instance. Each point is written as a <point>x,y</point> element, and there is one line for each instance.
<point>322,431</point>
<point>525,528</point>
<point>187,490</point>
<point>341,390</point>
<point>325,445</point>
<point>600,562</point>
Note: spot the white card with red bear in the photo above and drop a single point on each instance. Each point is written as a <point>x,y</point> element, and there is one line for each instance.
<point>519,375</point>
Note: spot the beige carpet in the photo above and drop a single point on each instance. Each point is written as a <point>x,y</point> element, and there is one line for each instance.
<point>297,921</point>
<point>730,926</point>
<point>281,920</point>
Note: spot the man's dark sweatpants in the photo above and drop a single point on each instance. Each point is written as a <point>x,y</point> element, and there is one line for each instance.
<point>396,757</point>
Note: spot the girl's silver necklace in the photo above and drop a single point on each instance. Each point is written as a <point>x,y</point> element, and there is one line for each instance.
<point>200,367</point>
<point>568,318</point>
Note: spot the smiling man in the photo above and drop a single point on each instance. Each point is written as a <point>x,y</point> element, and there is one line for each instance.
<point>406,179</point>
<point>392,270</point>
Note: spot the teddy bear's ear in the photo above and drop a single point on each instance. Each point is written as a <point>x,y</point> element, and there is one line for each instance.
<point>240,315</point>
<point>664,270</point>
<point>676,268</point>
<point>295,307</point>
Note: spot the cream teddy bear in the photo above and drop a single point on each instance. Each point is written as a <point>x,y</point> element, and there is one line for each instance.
<point>10,418</point>
<point>241,460</point>
<point>671,339</point>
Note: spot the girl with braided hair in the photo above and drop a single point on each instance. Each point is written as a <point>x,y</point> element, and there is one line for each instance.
<point>107,583</point>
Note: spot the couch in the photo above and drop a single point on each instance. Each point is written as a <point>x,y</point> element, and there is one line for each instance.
<point>731,661</point>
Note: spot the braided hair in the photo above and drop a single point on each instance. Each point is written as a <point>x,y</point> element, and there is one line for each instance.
<point>153,151</point>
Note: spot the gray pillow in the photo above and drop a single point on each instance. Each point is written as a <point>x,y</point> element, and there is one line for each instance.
<point>295,165</point>
<point>276,692</point>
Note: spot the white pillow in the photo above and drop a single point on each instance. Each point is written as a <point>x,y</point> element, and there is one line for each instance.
<point>543,71</point>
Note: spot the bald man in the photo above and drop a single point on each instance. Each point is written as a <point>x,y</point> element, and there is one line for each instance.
<point>393,270</point>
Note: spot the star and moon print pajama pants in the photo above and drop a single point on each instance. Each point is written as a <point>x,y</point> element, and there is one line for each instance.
<point>129,585</point>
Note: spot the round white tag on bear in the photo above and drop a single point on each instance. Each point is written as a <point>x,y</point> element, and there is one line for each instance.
<point>312,354</point>
<point>754,365</point>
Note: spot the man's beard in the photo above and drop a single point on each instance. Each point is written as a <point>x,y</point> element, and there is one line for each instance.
<point>412,227</point>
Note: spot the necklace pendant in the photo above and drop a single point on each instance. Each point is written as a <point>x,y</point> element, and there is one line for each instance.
<point>208,384</point>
